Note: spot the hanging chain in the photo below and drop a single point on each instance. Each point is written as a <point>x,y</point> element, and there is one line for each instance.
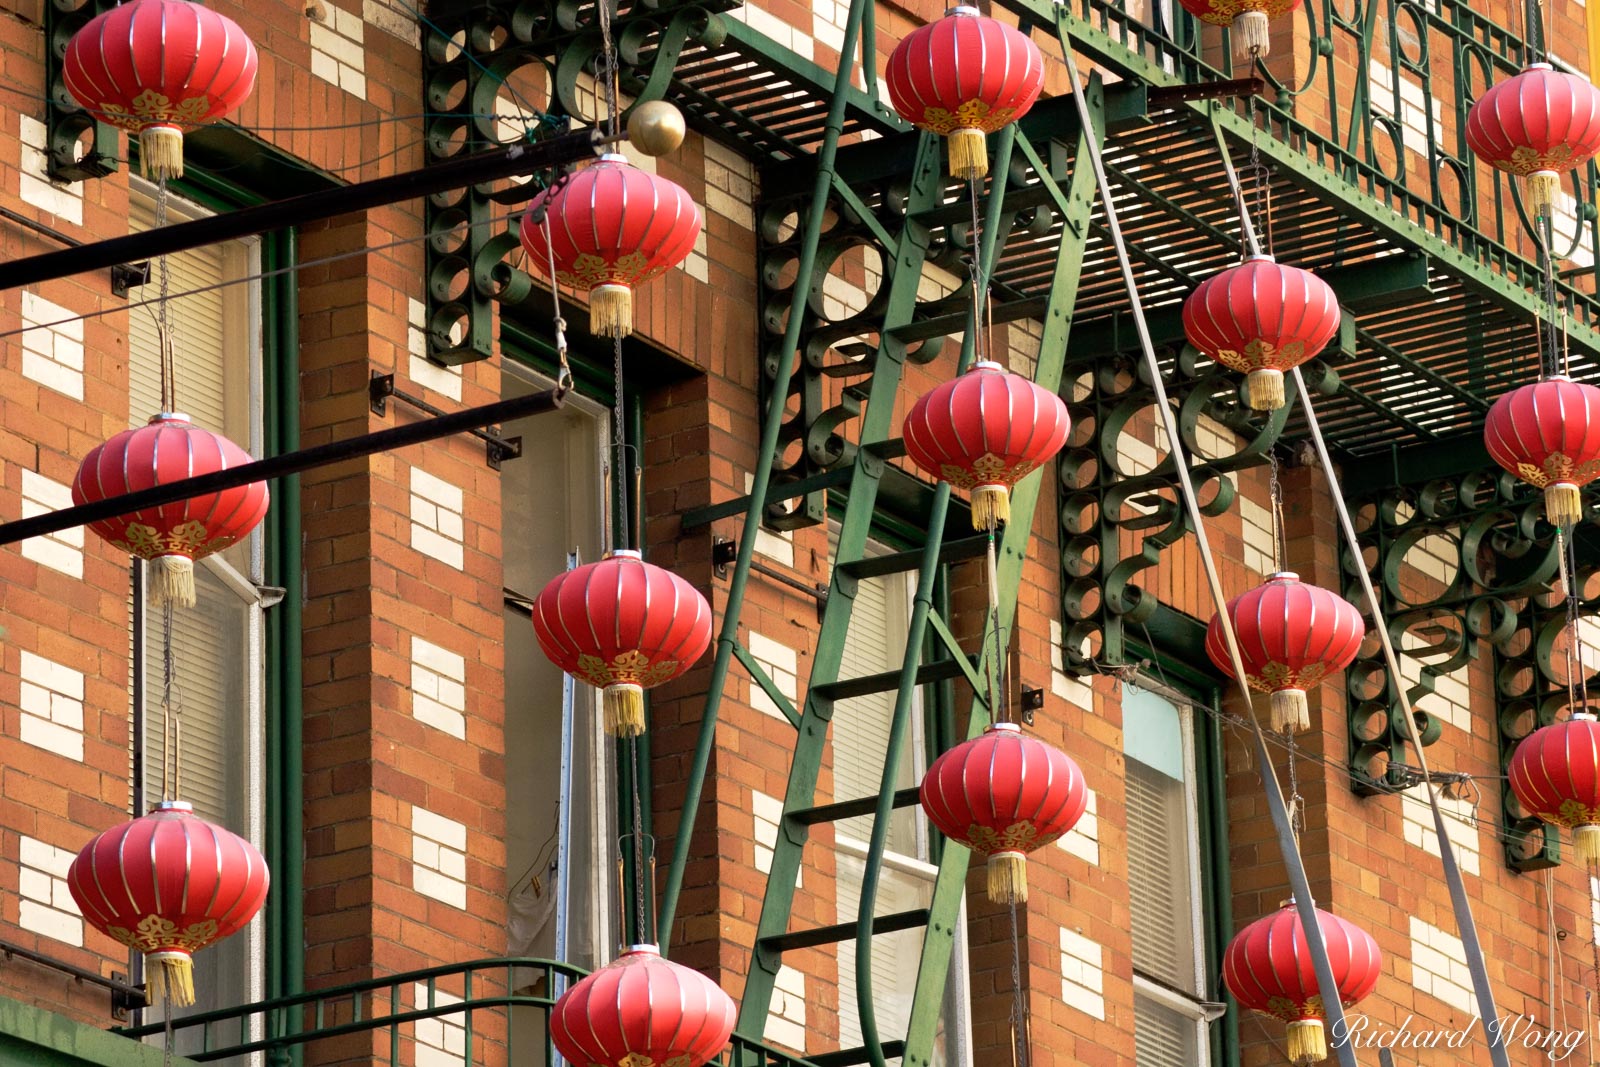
<point>169,390</point>
<point>980,342</point>
<point>558,324</point>
<point>169,725</point>
<point>641,890</point>
<point>1019,1003</point>
<point>1260,181</point>
<point>607,69</point>
<point>1297,804</point>
<point>999,706</point>
<point>1275,497</point>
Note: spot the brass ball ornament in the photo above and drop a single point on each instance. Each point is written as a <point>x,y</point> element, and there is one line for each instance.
<point>656,127</point>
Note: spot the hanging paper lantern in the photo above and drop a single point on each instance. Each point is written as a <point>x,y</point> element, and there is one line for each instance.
<point>984,432</point>
<point>172,536</point>
<point>642,1011</point>
<point>624,626</point>
<point>1267,967</point>
<point>612,228</point>
<point>1248,20</point>
<point>1555,774</point>
<point>157,68</point>
<point>1291,636</point>
<point>1004,794</point>
<point>963,78</point>
<point>1548,434</point>
<point>1261,318</point>
<point>1536,125</point>
<point>168,884</point>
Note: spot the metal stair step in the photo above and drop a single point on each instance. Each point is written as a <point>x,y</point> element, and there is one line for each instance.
<point>849,1057</point>
<point>832,935</point>
<point>899,562</point>
<point>851,809</point>
<point>889,681</point>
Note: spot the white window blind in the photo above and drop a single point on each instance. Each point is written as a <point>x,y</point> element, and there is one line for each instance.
<point>1163,1037</point>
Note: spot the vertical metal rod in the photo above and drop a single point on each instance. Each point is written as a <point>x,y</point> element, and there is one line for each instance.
<point>761,478</point>
<point>563,886</point>
<point>1275,803</point>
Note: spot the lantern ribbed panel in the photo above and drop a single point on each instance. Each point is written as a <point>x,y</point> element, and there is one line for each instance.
<point>1547,431</point>
<point>1261,316</point>
<point>1267,966</point>
<point>612,228</point>
<point>642,1011</point>
<point>1291,635</point>
<point>964,71</point>
<point>158,67</point>
<point>985,428</point>
<point>169,884</point>
<point>1541,119</point>
<point>169,449</point>
<point>1004,791</point>
<point>1555,773</point>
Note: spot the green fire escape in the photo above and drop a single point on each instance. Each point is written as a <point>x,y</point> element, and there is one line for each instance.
<point>1440,296</point>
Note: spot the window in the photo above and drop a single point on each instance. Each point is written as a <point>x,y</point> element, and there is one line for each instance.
<point>1165,880</point>
<point>217,658</point>
<point>860,737</point>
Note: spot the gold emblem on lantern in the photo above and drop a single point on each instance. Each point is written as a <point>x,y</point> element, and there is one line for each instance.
<point>987,469</point>
<point>1018,837</point>
<point>1262,355</point>
<point>1526,160</point>
<point>631,667</point>
<point>151,107</point>
<point>968,115</point>
<point>1275,676</point>
<point>1224,12</point>
<point>589,270</point>
<point>158,934</point>
<point>1558,467</point>
<point>186,539</point>
<point>1572,813</point>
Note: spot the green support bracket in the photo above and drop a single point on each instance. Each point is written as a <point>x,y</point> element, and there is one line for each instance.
<point>78,146</point>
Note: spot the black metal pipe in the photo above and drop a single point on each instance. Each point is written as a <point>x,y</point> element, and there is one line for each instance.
<point>132,996</point>
<point>308,207</point>
<point>288,463</point>
<point>39,228</point>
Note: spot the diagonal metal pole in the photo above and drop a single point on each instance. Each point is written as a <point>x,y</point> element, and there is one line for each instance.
<point>1279,811</point>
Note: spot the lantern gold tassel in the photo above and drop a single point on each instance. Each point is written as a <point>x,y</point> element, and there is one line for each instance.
<point>172,581</point>
<point>1543,185</point>
<point>1586,839</point>
<point>1252,35</point>
<point>171,977</point>
<point>1008,877</point>
<point>1263,389</point>
<point>991,506</point>
<point>1307,1044</point>
<point>969,154</point>
<point>611,310</point>
<point>1563,503</point>
<point>624,710</point>
<point>161,152</point>
<point>1290,711</point>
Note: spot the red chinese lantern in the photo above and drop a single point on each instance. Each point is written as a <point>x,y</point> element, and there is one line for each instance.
<point>612,228</point>
<point>172,536</point>
<point>1261,318</point>
<point>642,1011</point>
<point>1250,21</point>
<point>1555,774</point>
<point>1548,434</point>
<point>1535,125</point>
<point>169,884</point>
<point>963,78</point>
<point>1291,636</point>
<point>1004,794</point>
<point>622,625</point>
<point>1267,968</point>
<point>157,68</point>
<point>984,432</point>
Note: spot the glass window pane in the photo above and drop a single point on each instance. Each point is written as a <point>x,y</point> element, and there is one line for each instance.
<point>1163,1037</point>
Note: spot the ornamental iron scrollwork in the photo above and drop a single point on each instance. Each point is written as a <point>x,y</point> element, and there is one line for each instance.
<point>1465,565</point>
<point>78,146</point>
<point>499,73</point>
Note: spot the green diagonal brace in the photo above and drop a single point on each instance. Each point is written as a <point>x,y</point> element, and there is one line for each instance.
<point>759,675</point>
<point>927,1002</point>
<point>948,639</point>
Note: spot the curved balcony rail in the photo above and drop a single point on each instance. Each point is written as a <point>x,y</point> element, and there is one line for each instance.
<point>486,1011</point>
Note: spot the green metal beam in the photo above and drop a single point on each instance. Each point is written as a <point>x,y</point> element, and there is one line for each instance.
<point>1415,464</point>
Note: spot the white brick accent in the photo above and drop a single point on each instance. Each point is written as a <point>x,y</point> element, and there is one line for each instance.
<point>1257,528</point>
<point>771,543</point>
<point>1451,699</point>
<point>47,906</point>
<point>438,687</point>
<point>936,282</point>
<point>1083,840</point>
<point>64,201</point>
<point>443,380</point>
<point>52,706</point>
<point>338,51</point>
<point>786,1019</point>
<point>1439,966</point>
<point>1074,691</point>
<point>782,665</point>
<point>768,814</point>
<point>841,299</point>
<point>730,185</point>
<point>695,264</point>
<point>61,551</point>
<point>438,857</point>
<point>1413,116</point>
<point>1594,909</point>
<point>441,1040</point>
<point>1417,821</point>
<point>1082,974</point>
<point>798,41</point>
<point>1023,341</point>
<point>437,526</point>
<point>393,20</point>
<point>1564,221</point>
<point>52,355</point>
